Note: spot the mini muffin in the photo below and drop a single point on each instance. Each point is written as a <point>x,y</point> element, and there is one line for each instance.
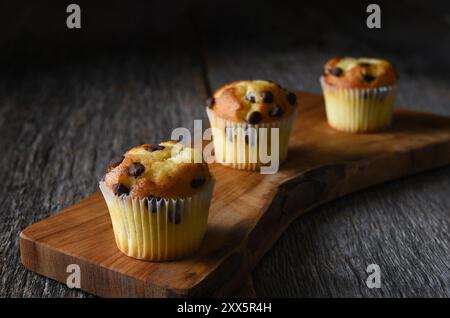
<point>158,200</point>
<point>359,93</point>
<point>238,111</point>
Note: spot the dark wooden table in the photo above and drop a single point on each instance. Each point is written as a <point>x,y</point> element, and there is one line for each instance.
<point>72,99</point>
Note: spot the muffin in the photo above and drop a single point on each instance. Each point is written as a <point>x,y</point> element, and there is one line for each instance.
<point>238,111</point>
<point>359,93</point>
<point>158,200</point>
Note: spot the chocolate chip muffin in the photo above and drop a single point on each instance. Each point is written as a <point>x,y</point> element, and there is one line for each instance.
<point>349,72</point>
<point>165,171</point>
<point>237,112</point>
<point>253,102</point>
<point>158,199</point>
<point>359,93</point>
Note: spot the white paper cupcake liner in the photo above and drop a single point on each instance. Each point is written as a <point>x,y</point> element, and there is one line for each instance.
<point>233,149</point>
<point>359,110</point>
<point>159,230</point>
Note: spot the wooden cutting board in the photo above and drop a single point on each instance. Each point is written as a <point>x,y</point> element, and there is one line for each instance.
<point>249,211</point>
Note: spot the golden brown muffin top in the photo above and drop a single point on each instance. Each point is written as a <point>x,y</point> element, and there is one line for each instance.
<point>349,72</point>
<point>164,171</point>
<point>252,101</point>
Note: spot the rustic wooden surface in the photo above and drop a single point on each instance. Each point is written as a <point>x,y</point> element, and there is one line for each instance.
<point>70,100</point>
<point>245,218</point>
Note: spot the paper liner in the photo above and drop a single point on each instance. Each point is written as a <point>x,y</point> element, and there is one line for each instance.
<point>155,235</point>
<point>359,110</point>
<point>231,149</point>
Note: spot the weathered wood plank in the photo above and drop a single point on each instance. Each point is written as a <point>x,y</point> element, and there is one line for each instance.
<point>248,213</point>
<point>54,84</point>
<point>403,226</point>
<point>64,114</point>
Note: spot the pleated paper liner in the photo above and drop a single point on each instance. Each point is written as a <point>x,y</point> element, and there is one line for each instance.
<point>238,147</point>
<point>159,230</point>
<point>359,110</point>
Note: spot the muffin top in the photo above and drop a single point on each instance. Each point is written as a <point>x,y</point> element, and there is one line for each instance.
<point>164,171</point>
<point>252,101</point>
<point>349,72</point>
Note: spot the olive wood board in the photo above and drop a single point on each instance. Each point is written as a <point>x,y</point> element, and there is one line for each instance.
<point>249,211</point>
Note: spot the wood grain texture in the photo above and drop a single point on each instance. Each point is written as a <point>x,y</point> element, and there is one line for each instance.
<point>62,119</point>
<point>64,94</point>
<point>246,218</point>
<point>326,255</point>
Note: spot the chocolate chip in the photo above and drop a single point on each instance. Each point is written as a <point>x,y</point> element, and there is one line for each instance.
<point>367,77</point>
<point>197,182</point>
<point>254,118</point>
<point>119,189</point>
<point>154,200</point>
<point>175,216</point>
<point>136,169</point>
<point>267,96</point>
<point>364,64</point>
<point>155,148</point>
<point>277,111</point>
<point>210,102</point>
<point>336,71</point>
<point>291,98</point>
<point>116,161</point>
<point>251,98</point>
